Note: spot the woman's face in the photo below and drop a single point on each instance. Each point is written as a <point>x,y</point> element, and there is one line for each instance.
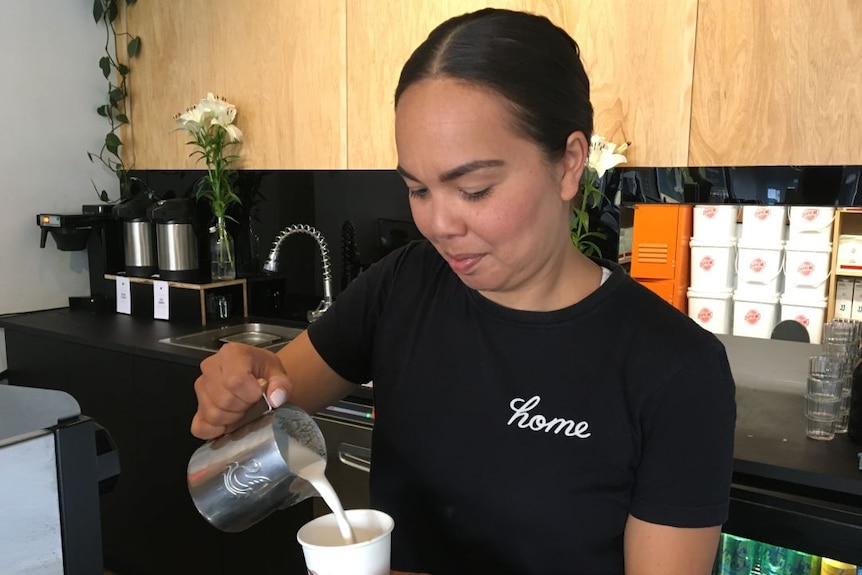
<point>484,196</point>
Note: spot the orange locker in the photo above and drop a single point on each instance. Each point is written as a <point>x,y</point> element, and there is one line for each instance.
<point>660,251</point>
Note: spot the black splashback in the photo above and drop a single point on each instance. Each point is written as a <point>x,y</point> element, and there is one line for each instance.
<point>273,199</point>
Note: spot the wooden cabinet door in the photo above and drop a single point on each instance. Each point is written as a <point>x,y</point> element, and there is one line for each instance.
<point>282,63</point>
<point>638,55</point>
<point>381,35</point>
<point>777,82</point>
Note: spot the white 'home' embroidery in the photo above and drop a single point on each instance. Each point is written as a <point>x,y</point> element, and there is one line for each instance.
<point>538,422</point>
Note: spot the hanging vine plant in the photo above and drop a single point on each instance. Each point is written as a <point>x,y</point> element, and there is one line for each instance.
<point>105,12</point>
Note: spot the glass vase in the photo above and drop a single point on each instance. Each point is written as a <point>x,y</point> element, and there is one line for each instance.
<point>222,254</point>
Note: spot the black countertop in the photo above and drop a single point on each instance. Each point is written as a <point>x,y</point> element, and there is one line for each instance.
<point>770,442</point>
<point>109,330</point>
<point>127,334</point>
<point>770,430</point>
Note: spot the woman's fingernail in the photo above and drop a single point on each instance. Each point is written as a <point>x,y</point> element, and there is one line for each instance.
<point>277,397</point>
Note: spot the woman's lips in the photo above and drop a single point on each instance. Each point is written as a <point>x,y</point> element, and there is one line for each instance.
<point>462,264</point>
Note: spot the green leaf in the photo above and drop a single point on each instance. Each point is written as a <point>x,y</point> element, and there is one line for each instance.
<point>113,10</point>
<point>122,69</point>
<point>116,95</point>
<point>105,65</point>
<point>130,2</point>
<point>134,46</point>
<point>122,118</point>
<point>112,143</point>
<point>103,195</point>
<point>103,110</point>
<point>98,10</point>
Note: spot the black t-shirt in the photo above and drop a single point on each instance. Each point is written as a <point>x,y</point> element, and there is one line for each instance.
<point>508,441</point>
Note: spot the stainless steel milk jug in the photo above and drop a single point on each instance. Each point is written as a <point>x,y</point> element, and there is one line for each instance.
<point>243,476</point>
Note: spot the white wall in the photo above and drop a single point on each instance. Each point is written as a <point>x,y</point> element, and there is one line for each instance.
<point>50,85</point>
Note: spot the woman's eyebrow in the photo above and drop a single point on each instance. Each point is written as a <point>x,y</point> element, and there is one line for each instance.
<point>456,173</point>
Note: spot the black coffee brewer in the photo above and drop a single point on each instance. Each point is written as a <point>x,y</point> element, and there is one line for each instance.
<point>96,230</point>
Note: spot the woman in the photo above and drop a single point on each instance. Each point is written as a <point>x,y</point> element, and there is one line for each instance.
<point>537,411</point>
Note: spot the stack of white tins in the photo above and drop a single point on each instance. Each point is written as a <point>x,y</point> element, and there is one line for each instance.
<point>758,270</point>
<point>713,254</point>
<point>807,263</point>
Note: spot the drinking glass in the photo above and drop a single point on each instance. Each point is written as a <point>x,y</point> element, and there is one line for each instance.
<point>842,422</point>
<point>820,430</point>
<point>827,388</point>
<point>825,366</point>
<point>823,408</point>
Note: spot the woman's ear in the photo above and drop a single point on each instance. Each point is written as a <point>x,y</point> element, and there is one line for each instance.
<point>574,160</point>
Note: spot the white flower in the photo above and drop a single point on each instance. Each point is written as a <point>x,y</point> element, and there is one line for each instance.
<point>234,133</point>
<point>218,110</point>
<point>210,123</point>
<point>208,112</point>
<point>605,155</point>
<point>190,120</point>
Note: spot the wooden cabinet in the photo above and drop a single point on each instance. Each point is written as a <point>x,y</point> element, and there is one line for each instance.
<point>644,99</point>
<point>380,38</point>
<point>149,522</point>
<point>282,63</point>
<point>639,57</point>
<point>777,82</point>
<point>688,82</point>
<point>313,81</point>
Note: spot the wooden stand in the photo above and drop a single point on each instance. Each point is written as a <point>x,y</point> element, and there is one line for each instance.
<point>847,221</point>
<point>188,301</point>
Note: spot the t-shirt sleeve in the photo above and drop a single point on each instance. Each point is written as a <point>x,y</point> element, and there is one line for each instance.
<point>684,475</point>
<point>344,335</point>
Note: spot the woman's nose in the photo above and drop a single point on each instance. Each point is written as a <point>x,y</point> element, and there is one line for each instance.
<point>444,217</point>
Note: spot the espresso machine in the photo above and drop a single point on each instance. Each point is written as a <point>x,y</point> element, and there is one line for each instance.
<point>56,463</point>
<point>96,230</point>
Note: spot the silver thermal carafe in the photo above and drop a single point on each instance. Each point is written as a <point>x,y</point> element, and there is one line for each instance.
<point>139,236</point>
<point>176,242</point>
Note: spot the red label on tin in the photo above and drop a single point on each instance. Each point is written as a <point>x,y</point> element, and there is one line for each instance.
<point>752,316</point>
<point>805,268</point>
<point>810,214</point>
<point>757,265</point>
<point>704,315</point>
<point>802,319</point>
<point>762,213</point>
<point>706,263</point>
<point>709,212</point>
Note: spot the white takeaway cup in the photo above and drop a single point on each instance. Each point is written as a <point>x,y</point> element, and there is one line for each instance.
<point>326,553</point>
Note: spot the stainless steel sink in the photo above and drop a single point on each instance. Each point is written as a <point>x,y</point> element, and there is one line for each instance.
<point>267,336</point>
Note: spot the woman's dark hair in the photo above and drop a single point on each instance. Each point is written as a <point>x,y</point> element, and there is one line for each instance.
<point>525,58</point>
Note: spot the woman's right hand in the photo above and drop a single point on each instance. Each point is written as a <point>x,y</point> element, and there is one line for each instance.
<point>229,385</point>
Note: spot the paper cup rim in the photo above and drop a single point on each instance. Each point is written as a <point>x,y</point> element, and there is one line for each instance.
<point>389,528</point>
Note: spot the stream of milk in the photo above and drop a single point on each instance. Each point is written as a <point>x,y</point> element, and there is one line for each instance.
<point>310,466</point>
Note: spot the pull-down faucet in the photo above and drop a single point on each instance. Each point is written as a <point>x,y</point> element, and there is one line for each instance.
<point>271,264</point>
